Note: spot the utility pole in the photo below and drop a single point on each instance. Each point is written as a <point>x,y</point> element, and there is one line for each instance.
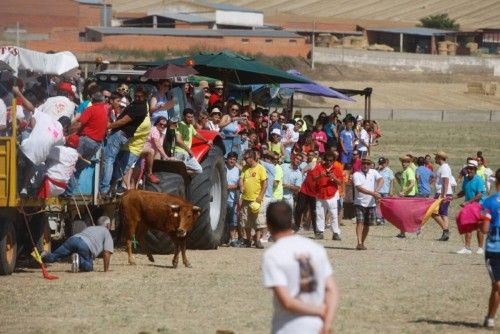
<point>313,43</point>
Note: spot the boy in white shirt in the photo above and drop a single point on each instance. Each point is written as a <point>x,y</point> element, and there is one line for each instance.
<point>298,271</point>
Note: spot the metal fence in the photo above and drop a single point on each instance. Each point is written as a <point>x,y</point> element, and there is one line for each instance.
<point>417,115</point>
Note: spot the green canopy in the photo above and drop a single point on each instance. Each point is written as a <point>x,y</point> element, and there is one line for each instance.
<point>195,79</point>
<point>235,68</point>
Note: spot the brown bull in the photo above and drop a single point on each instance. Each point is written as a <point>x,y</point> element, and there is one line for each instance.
<point>143,210</point>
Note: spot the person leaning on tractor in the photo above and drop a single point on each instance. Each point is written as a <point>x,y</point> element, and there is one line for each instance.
<point>184,140</point>
<point>85,246</point>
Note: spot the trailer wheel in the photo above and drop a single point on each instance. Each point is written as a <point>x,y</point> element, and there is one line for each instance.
<point>8,247</point>
<point>208,191</point>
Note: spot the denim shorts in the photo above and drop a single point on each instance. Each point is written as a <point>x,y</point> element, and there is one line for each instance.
<point>445,204</point>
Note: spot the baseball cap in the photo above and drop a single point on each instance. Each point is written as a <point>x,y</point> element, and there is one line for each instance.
<point>382,160</point>
<point>276,132</point>
<point>66,87</point>
<point>203,84</point>
<point>218,84</point>
<point>472,163</point>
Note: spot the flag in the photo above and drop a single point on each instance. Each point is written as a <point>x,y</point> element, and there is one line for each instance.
<point>408,214</point>
<point>36,255</point>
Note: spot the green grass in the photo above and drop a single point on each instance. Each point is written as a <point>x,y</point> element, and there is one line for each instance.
<point>458,140</point>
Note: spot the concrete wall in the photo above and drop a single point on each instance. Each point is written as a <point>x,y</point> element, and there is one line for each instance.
<point>253,45</point>
<point>417,115</point>
<point>411,61</point>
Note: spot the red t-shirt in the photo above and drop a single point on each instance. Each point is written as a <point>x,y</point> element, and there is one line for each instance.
<point>308,186</point>
<point>325,187</point>
<point>94,120</point>
<point>214,98</point>
<point>356,165</point>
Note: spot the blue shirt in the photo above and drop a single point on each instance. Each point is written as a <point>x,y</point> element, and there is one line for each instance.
<point>270,177</point>
<point>388,175</point>
<point>329,127</point>
<point>233,177</point>
<point>471,187</point>
<point>424,180</point>
<point>491,211</point>
<point>290,176</point>
<point>347,136</point>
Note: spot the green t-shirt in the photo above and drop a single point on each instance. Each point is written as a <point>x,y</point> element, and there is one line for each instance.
<point>187,131</point>
<point>407,176</point>
<point>278,176</point>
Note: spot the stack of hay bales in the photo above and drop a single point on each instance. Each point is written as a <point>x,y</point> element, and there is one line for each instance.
<point>482,88</point>
<point>473,48</point>
<point>326,40</point>
<point>443,48</point>
<point>447,48</point>
<point>355,42</point>
<point>380,47</point>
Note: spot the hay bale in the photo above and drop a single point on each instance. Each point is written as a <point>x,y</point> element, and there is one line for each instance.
<point>380,47</point>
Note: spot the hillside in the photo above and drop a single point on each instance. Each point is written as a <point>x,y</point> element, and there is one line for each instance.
<point>482,14</point>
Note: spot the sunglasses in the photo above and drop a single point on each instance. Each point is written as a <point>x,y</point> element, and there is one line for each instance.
<point>163,125</point>
<point>235,109</point>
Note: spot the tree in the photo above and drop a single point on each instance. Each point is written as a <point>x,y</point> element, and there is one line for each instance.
<point>439,21</point>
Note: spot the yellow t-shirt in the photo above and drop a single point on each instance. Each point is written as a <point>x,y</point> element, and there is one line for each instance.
<point>187,131</point>
<point>278,176</point>
<point>274,147</point>
<point>136,143</point>
<point>252,178</point>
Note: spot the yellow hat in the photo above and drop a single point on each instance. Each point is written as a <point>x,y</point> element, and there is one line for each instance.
<point>255,207</point>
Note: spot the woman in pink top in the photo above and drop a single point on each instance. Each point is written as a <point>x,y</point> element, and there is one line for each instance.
<point>319,137</point>
<point>153,148</point>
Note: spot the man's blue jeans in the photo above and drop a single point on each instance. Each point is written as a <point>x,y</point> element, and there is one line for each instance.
<point>73,245</point>
<point>87,149</point>
<point>112,147</point>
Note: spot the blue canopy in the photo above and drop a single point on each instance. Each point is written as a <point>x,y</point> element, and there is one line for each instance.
<point>313,88</point>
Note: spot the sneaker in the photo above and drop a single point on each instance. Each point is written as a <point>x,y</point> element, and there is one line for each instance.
<point>480,251</point>
<point>247,243</point>
<point>120,190</point>
<point>336,236</point>
<point>465,251</point>
<point>153,178</point>
<point>259,245</point>
<point>319,236</point>
<point>236,244</point>
<point>401,235</point>
<point>75,262</point>
<point>489,322</point>
<point>445,236</point>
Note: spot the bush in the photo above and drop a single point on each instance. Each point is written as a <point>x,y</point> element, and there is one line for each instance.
<point>440,21</point>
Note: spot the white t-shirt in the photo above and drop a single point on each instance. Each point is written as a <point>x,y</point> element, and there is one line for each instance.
<point>366,137</point>
<point>281,267</point>
<point>367,182</point>
<point>290,135</point>
<point>61,163</point>
<point>444,171</point>
<point>46,134</point>
<point>3,113</point>
<point>57,107</point>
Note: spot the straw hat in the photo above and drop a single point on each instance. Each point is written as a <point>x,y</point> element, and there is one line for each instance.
<point>405,158</point>
<point>203,84</point>
<point>441,154</point>
<point>218,84</point>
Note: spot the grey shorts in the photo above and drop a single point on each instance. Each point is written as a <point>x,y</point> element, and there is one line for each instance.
<point>365,215</point>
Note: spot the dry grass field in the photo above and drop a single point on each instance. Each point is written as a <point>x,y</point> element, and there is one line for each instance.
<point>414,285</point>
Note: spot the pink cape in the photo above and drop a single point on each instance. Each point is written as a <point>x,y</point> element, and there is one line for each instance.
<point>408,214</point>
<point>468,218</point>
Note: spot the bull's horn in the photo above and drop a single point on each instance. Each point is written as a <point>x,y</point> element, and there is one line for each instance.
<point>174,206</point>
<point>196,208</point>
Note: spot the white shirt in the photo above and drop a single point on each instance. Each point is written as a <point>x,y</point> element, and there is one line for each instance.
<point>57,107</point>
<point>290,135</point>
<point>61,163</point>
<point>367,182</point>
<point>444,171</point>
<point>46,134</point>
<point>281,267</point>
<point>363,135</point>
<point>3,113</point>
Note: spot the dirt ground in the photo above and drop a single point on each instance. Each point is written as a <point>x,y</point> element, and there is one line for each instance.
<point>414,285</point>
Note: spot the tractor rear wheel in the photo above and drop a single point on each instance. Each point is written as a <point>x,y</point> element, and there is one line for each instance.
<point>8,247</point>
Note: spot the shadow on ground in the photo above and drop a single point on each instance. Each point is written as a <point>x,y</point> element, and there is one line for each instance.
<point>448,323</point>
